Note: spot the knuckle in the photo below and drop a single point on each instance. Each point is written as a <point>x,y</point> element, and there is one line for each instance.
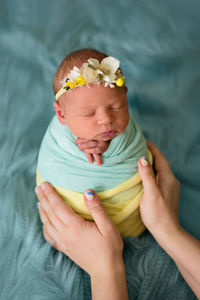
<point>91,144</point>
<point>96,209</point>
<point>173,182</point>
<point>54,206</point>
<point>150,176</point>
<point>98,150</point>
<point>89,151</point>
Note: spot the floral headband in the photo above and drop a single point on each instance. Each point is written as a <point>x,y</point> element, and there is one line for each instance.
<point>93,72</point>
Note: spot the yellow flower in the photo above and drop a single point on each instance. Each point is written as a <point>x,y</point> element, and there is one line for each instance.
<point>80,80</point>
<point>70,84</point>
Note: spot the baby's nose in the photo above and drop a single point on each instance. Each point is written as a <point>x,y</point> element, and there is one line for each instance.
<point>105,118</point>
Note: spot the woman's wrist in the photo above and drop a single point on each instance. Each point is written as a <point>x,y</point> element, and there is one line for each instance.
<point>179,245</point>
<point>114,267</point>
<point>184,249</point>
<point>167,235</point>
<point>113,281</point>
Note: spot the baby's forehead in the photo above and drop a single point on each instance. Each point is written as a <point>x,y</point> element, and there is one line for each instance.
<point>89,97</point>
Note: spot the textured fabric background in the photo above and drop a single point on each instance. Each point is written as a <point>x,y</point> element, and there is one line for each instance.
<point>159,48</point>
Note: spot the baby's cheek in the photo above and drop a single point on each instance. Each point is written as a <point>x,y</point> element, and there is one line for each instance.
<point>123,124</point>
<point>86,132</point>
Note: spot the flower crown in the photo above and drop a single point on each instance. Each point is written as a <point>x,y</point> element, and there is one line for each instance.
<point>93,72</point>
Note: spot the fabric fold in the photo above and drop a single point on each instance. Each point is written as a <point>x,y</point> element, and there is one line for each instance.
<point>62,164</point>
<point>117,182</point>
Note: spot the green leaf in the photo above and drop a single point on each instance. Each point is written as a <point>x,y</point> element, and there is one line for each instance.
<point>100,76</point>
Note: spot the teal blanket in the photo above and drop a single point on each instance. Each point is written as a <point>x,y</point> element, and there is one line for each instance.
<point>158,45</point>
<point>61,163</point>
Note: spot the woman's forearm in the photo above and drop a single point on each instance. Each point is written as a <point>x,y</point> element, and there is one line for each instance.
<point>184,249</point>
<point>110,285</point>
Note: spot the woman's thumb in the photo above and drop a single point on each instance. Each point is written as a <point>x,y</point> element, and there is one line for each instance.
<point>96,209</point>
<point>147,176</point>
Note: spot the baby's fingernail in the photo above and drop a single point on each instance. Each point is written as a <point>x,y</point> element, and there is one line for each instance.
<point>89,195</point>
<point>144,161</point>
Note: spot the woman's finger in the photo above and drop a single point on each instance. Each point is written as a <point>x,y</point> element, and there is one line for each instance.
<point>43,216</point>
<point>54,238</point>
<point>95,207</point>
<point>41,196</point>
<point>47,213</point>
<point>56,209</point>
<point>47,236</point>
<point>160,162</point>
<point>147,176</point>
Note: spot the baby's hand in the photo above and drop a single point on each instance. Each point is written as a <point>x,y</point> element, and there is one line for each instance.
<point>92,148</point>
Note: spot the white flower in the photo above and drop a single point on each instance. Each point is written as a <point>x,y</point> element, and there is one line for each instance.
<point>110,84</point>
<point>94,63</point>
<point>109,66</point>
<point>110,78</point>
<point>88,73</point>
<point>95,72</point>
<point>75,73</point>
<point>110,63</point>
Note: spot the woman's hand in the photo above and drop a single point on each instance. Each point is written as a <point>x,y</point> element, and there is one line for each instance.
<point>159,204</point>
<point>159,212</point>
<point>95,246</point>
<point>92,148</point>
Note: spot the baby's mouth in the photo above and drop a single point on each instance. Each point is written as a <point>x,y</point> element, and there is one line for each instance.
<point>108,134</point>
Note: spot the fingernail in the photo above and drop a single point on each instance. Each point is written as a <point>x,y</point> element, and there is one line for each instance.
<point>144,161</point>
<point>38,205</point>
<point>37,189</point>
<point>89,195</point>
<point>43,186</point>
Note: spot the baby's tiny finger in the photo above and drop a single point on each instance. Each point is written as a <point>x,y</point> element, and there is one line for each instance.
<point>89,157</point>
<point>79,141</point>
<point>97,157</point>
<point>87,145</point>
<point>96,150</point>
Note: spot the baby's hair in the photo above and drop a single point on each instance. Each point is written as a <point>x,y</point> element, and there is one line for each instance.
<point>76,58</point>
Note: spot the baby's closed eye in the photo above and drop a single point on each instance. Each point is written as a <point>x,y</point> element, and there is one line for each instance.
<point>117,107</point>
<point>89,114</point>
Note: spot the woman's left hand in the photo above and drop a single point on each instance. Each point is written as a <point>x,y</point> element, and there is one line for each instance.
<point>95,246</point>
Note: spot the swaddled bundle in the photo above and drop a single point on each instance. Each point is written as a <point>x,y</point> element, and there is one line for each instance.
<point>116,181</point>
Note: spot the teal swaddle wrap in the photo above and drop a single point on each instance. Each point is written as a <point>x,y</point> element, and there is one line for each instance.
<point>62,164</point>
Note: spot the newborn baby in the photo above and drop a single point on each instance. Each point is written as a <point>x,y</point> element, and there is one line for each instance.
<point>92,121</point>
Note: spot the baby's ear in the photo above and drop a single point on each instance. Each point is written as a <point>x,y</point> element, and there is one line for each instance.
<point>126,89</point>
<point>59,112</point>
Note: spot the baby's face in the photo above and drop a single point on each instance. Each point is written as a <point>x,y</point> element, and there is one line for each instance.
<point>95,112</point>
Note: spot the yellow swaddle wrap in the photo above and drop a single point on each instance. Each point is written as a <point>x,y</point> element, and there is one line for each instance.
<point>121,203</point>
